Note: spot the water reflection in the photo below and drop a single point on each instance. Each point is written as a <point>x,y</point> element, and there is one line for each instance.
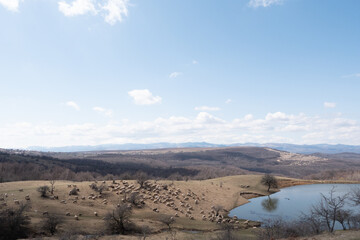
<point>270,204</point>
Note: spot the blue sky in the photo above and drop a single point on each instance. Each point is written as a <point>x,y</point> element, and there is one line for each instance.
<point>79,72</point>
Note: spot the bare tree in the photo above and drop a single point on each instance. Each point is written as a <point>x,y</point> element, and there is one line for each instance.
<point>328,208</point>
<point>343,216</point>
<point>145,230</point>
<point>52,188</point>
<point>50,223</point>
<point>43,190</point>
<point>355,195</point>
<point>135,199</point>
<point>313,221</point>
<point>167,220</point>
<point>141,178</point>
<point>118,220</point>
<point>14,223</point>
<point>99,188</point>
<point>270,181</point>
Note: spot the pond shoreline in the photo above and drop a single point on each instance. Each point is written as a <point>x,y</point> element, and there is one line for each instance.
<point>291,202</point>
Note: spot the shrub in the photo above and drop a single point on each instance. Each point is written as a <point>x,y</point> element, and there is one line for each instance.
<point>43,190</point>
<point>50,223</point>
<point>14,223</point>
<point>118,221</point>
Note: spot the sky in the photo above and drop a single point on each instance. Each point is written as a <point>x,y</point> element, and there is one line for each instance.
<point>89,72</point>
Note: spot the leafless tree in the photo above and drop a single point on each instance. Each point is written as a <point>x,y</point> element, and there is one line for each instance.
<point>14,223</point>
<point>270,181</point>
<point>355,195</point>
<point>313,221</point>
<point>328,208</point>
<point>52,188</point>
<point>135,199</point>
<point>50,223</point>
<point>167,220</point>
<point>227,233</point>
<point>145,230</point>
<point>118,220</point>
<point>342,216</point>
<point>99,188</point>
<point>141,178</point>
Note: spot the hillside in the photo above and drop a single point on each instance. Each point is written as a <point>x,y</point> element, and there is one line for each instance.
<point>295,148</point>
<point>188,201</point>
<point>176,164</point>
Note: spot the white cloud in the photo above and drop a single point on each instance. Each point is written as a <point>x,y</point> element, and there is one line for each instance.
<point>106,112</point>
<point>272,127</point>
<point>248,117</point>
<point>228,101</point>
<point>263,3</point>
<point>113,11</point>
<point>11,5</point>
<point>207,108</point>
<point>194,62</point>
<point>73,105</point>
<point>144,97</point>
<point>77,7</point>
<point>116,10</point>
<point>175,74</point>
<point>351,75</point>
<point>329,104</point>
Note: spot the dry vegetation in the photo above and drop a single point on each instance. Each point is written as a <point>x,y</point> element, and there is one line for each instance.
<point>190,204</point>
<point>193,205</point>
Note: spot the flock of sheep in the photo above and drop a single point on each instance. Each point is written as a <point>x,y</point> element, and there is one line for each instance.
<point>165,198</point>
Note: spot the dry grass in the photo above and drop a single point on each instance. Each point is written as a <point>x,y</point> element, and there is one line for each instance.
<point>221,191</point>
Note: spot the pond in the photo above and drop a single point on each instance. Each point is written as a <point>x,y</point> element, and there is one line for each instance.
<point>289,203</point>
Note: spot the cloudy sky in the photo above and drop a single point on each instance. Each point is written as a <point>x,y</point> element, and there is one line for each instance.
<point>79,72</point>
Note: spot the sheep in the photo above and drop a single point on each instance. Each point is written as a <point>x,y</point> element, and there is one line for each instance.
<point>96,214</point>
<point>76,217</point>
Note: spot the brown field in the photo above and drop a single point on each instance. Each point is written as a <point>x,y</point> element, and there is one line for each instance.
<point>221,191</point>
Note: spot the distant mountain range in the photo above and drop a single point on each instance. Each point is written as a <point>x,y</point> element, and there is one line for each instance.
<point>304,149</point>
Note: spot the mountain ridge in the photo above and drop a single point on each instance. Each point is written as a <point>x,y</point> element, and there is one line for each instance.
<point>294,148</point>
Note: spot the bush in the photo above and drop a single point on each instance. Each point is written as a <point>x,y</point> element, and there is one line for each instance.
<point>73,191</point>
<point>51,223</point>
<point>118,221</point>
<point>14,223</point>
<point>43,190</point>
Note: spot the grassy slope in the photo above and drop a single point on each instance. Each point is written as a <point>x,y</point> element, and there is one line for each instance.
<point>223,191</point>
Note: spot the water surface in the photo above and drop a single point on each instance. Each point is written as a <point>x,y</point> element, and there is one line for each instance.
<point>289,203</point>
